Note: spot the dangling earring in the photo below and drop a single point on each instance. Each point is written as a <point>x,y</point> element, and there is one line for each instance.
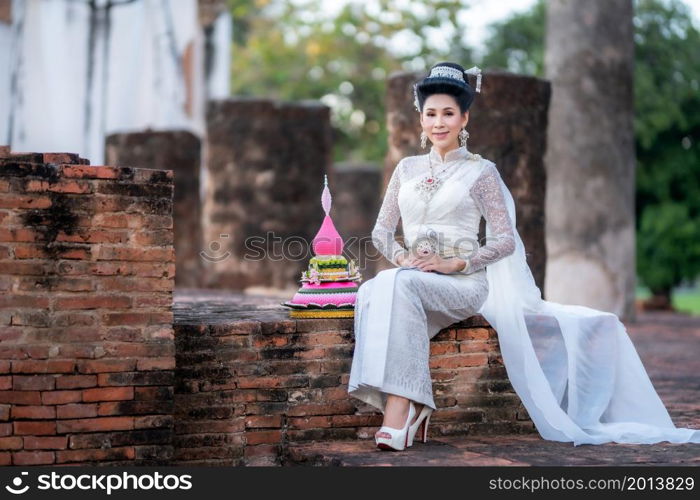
<point>423,140</point>
<point>463,136</point>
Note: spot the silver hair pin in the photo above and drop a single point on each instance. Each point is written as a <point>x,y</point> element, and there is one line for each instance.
<point>475,71</point>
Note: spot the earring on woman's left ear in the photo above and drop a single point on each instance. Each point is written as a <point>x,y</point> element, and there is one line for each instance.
<point>463,136</point>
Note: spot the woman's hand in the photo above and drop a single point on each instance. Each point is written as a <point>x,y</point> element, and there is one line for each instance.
<point>431,262</point>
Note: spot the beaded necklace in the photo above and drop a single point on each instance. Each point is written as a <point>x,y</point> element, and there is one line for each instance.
<point>431,182</point>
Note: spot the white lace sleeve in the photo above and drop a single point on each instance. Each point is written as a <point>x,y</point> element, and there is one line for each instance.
<point>486,192</point>
<point>388,218</point>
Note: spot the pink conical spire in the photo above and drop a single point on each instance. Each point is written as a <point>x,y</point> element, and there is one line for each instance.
<point>327,241</point>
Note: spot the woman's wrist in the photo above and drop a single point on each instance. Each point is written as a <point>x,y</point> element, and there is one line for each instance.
<point>400,257</point>
<point>460,265</point>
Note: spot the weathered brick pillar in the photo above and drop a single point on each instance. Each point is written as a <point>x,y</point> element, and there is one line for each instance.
<point>355,205</point>
<point>87,347</point>
<point>265,165</point>
<point>178,151</point>
<point>507,125</point>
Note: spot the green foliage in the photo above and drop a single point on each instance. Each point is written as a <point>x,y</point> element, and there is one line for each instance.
<point>517,43</point>
<point>667,133</point>
<point>667,128</point>
<point>293,50</point>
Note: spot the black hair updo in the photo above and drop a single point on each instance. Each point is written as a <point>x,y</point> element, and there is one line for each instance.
<point>459,89</point>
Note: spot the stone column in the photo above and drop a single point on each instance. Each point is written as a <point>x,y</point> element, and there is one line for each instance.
<point>179,152</point>
<point>590,158</point>
<point>264,178</point>
<point>507,125</point>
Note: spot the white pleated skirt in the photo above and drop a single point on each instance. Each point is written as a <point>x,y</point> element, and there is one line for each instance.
<point>397,313</point>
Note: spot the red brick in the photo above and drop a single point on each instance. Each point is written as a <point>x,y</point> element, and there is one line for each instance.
<point>94,236</point>
<point>33,382</point>
<point>263,437</point>
<point>73,319</point>
<point>137,254</point>
<point>153,300</point>
<point>166,363</point>
<point>5,458</point>
<point>118,220</point>
<point>107,365</point>
<point>11,443</point>
<point>473,334</point>
<point>4,366</point>
<point>271,382</point>
<point>24,201</point>
<point>153,421</point>
<point>99,424</point>
<point>158,221</point>
<point>96,455</point>
<point>5,383</point>
<point>356,420</point>
<point>23,268</point>
<point>262,450</point>
<point>325,338</point>
<point>20,397</point>
<point>34,428</point>
<point>60,397</point>
<point>45,443</point>
<point>27,251</point>
<point>459,360</point>
<point>93,302</point>
<point>332,408</point>
<point>112,268</point>
<point>140,318</point>
<point>137,284</point>
<point>76,381</point>
<point>34,412</point>
<point>437,348</point>
<point>73,187</point>
<point>43,366</point>
<point>13,301</point>
<point>17,235</point>
<point>154,237</point>
<point>6,429</point>
<point>108,394</point>
<point>478,346</point>
<point>263,421</point>
<point>33,457</point>
<point>76,410</point>
<point>89,172</point>
<point>309,422</point>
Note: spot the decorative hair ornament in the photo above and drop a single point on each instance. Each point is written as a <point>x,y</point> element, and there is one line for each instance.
<point>474,70</point>
<point>449,72</point>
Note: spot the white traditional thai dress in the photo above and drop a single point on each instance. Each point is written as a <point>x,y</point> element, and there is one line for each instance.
<point>574,368</point>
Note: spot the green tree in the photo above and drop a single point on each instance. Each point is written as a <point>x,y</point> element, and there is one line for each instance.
<point>292,50</point>
<point>667,130</point>
<point>517,43</point>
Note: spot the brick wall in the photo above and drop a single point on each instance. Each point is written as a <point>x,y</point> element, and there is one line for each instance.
<point>86,338</point>
<point>247,390</point>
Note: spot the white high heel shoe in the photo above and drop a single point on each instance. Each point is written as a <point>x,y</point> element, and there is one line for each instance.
<point>399,437</point>
<point>422,420</point>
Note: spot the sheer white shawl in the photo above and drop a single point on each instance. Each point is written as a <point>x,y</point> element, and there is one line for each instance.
<point>574,368</point>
